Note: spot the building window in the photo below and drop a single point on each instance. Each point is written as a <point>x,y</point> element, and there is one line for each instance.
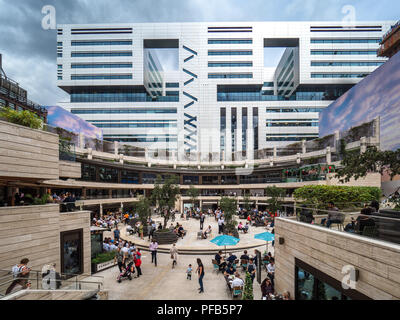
<point>244,129</point>
<point>72,252</point>
<point>222,129</point>
<point>233,128</point>
<point>229,41</point>
<point>102,43</point>
<point>255,127</point>
<point>229,75</point>
<point>230,52</point>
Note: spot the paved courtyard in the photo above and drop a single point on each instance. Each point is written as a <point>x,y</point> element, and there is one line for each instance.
<point>163,282</point>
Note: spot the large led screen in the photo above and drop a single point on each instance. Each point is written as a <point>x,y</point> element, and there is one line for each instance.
<point>378,95</point>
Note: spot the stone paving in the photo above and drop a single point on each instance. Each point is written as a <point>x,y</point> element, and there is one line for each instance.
<point>190,241</point>
<point>164,283</point>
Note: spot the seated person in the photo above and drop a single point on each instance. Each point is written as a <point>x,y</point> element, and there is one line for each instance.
<point>229,271</point>
<point>240,226</point>
<point>181,231</point>
<point>363,220</point>
<point>350,227</point>
<point>246,228</point>
<point>334,216</point>
<point>220,260</point>
<point>245,256</point>
<point>231,258</point>
<point>237,282</point>
<point>206,232</point>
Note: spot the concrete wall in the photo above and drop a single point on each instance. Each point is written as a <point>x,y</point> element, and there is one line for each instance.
<point>28,153</point>
<point>34,232</point>
<point>77,220</point>
<point>69,169</point>
<point>329,250</point>
<point>371,180</point>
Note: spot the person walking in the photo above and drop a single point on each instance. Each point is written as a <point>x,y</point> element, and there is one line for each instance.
<point>200,272</point>
<point>202,218</point>
<point>174,255</point>
<point>141,230</point>
<point>20,272</point>
<point>116,234</point>
<point>138,262</point>
<point>221,225</point>
<point>120,258</point>
<point>153,249</point>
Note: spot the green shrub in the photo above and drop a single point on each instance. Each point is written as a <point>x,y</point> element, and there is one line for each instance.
<point>24,118</point>
<point>104,257</point>
<point>342,196</point>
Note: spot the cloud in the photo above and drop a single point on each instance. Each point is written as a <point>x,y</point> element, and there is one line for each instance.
<point>30,52</point>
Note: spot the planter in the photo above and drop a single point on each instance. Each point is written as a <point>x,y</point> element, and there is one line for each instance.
<point>165,237</point>
<point>96,267</point>
<point>233,233</point>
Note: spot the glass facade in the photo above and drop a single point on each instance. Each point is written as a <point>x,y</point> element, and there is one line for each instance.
<point>230,64</point>
<point>320,41</point>
<point>230,52</point>
<point>244,129</point>
<point>229,41</point>
<point>172,85</point>
<point>339,75</point>
<point>106,95</point>
<point>102,54</point>
<point>255,127</point>
<point>222,129</point>
<point>134,123</point>
<point>101,65</point>
<point>101,77</point>
<point>287,110</point>
<point>117,111</point>
<point>233,127</point>
<point>346,63</point>
<point>344,52</point>
<point>274,137</point>
<point>292,123</point>
<point>102,43</point>
<point>229,75</point>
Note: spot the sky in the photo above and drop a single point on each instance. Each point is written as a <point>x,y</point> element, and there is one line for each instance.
<point>29,52</point>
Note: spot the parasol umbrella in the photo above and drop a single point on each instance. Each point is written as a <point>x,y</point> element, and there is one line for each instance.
<point>266,236</point>
<point>225,240</point>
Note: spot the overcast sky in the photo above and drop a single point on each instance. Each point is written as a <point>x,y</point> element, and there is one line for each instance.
<point>29,52</point>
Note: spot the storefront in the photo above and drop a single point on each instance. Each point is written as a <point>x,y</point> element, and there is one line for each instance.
<point>72,252</point>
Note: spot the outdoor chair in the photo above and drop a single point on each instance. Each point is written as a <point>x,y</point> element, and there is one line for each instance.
<point>370,231</point>
<point>237,291</point>
<point>243,263</point>
<point>215,265</point>
<point>200,235</point>
<point>339,224</point>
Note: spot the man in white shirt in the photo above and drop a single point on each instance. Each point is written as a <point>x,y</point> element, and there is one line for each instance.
<point>271,270</point>
<point>220,225</point>
<point>237,282</point>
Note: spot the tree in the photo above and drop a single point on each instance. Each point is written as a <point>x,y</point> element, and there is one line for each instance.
<point>229,207</point>
<point>165,194</point>
<point>276,198</point>
<point>246,202</point>
<point>24,118</point>
<point>342,196</point>
<point>356,165</point>
<point>248,288</point>
<point>193,193</point>
<point>142,207</point>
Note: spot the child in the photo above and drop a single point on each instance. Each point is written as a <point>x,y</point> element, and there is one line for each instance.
<point>189,272</point>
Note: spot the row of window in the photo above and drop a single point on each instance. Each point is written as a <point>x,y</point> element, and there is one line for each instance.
<point>118,111</point>
<point>229,41</point>
<point>343,52</point>
<point>339,75</point>
<point>230,64</point>
<point>230,52</point>
<point>102,43</point>
<point>291,124</point>
<point>345,40</point>
<point>268,84</point>
<point>229,75</point>
<point>290,137</point>
<point>102,54</point>
<point>120,97</point>
<point>346,63</point>
<point>101,65</point>
<point>172,84</point>
<point>101,76</point>
<point>135,125</point>
<point>289,110</point>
